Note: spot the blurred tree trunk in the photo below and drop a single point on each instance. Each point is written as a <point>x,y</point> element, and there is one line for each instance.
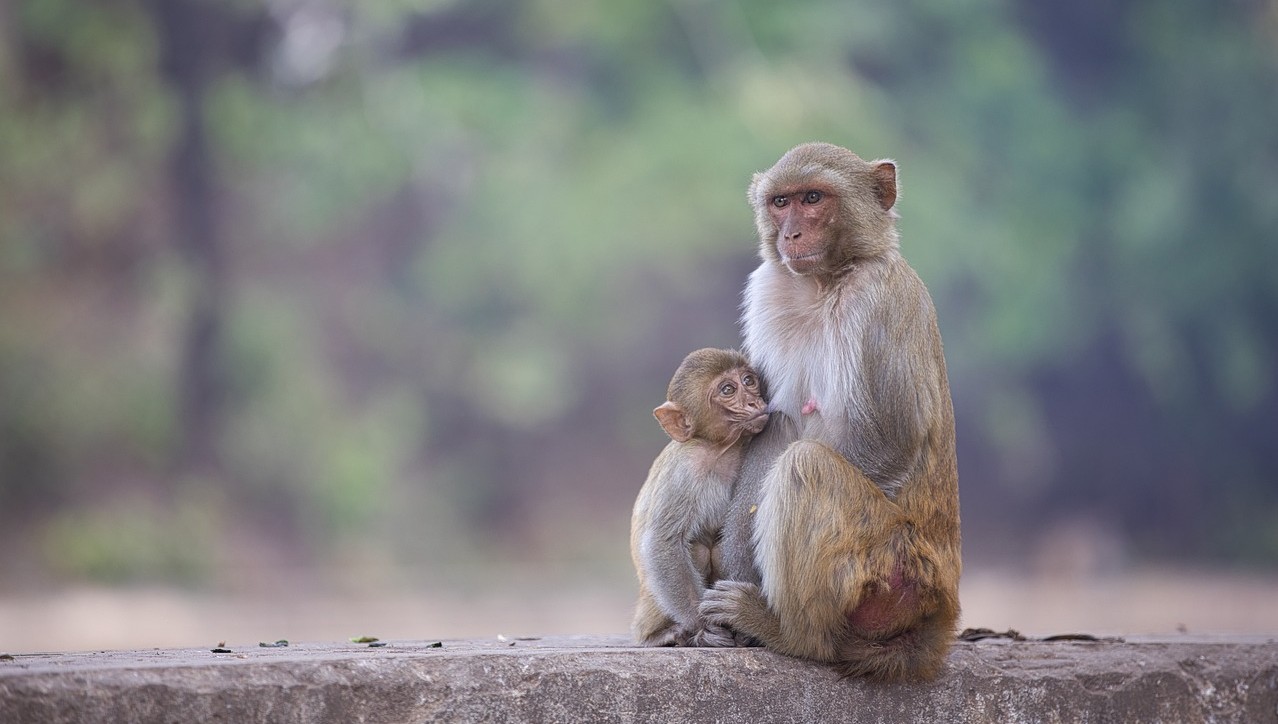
<point>186,63</point>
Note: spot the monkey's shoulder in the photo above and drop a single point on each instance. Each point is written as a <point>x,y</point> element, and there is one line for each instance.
<point>682,495</point>
<point>696,464</point>
<point>684,477</point>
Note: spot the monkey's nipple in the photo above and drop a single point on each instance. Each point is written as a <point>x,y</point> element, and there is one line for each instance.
<point>810,406</point>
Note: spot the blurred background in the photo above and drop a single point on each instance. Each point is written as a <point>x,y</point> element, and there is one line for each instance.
<point>322,318</point>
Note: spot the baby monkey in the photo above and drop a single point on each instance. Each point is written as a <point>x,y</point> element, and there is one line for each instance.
<point>714,405</point>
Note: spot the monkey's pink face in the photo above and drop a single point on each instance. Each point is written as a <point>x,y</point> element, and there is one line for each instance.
<point>805,219</point>
<point>738,394</point>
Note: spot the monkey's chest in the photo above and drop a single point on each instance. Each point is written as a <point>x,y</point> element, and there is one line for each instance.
<point>809,353</point>
<point>816,381</point>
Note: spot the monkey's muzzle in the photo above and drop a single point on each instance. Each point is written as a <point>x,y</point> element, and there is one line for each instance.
<point>756,424</point>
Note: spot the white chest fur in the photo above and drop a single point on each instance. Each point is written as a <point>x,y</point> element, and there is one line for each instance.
<point>805,343</point>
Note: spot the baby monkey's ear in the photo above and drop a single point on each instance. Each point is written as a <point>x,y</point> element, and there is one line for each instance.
<point>673,421</point>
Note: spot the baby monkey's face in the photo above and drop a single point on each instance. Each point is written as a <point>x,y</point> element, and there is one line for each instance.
<point>737,395</point>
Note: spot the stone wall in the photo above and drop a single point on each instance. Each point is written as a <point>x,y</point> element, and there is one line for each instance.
<point>604,679</point>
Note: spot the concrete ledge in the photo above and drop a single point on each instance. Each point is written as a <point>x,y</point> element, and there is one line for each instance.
<point>604,679</point>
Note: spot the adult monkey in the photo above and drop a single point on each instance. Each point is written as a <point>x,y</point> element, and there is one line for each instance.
<point>842,542</point>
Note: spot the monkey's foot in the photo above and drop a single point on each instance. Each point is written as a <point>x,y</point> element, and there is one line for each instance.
<point>713,636</point>
<point>672,635</point>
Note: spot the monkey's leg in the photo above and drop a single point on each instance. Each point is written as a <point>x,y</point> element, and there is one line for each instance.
<point>736,547</point>
<point>824,537</point>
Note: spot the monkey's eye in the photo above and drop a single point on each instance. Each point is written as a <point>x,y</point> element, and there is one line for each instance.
<point>812,197</point>
<point>748,380</point>
<point>780,202</point>
<point>727,388</point>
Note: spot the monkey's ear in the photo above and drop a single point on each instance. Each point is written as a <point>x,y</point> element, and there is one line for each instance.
<point>673,421</point>
<point>885,183</point>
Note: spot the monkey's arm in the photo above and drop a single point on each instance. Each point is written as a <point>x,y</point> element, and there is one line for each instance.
<point>666,547</point>
<point>913,426</point>
<point>902,366</point>
<point>676,585</point>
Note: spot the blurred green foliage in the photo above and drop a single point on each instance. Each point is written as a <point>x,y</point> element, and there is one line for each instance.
<point>129,539</point>
<point>413,274</point>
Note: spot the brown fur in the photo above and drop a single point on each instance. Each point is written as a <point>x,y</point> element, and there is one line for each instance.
<point>842,541</point>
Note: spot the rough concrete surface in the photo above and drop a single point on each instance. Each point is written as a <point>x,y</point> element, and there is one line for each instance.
<point>605,679</point>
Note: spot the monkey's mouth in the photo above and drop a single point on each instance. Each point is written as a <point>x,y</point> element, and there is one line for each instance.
<point>757,423</point>
<point>803,257</point>
<point>803,263</point>
<point>800,257</point>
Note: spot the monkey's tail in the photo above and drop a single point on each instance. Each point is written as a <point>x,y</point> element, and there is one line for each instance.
<point>915,654</point>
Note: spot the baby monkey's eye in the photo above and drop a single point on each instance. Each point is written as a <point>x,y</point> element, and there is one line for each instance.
<point>727,388</point>
<point>748,380</point>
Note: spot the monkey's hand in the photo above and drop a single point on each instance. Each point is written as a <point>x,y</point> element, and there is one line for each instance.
<point>741,607</point>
